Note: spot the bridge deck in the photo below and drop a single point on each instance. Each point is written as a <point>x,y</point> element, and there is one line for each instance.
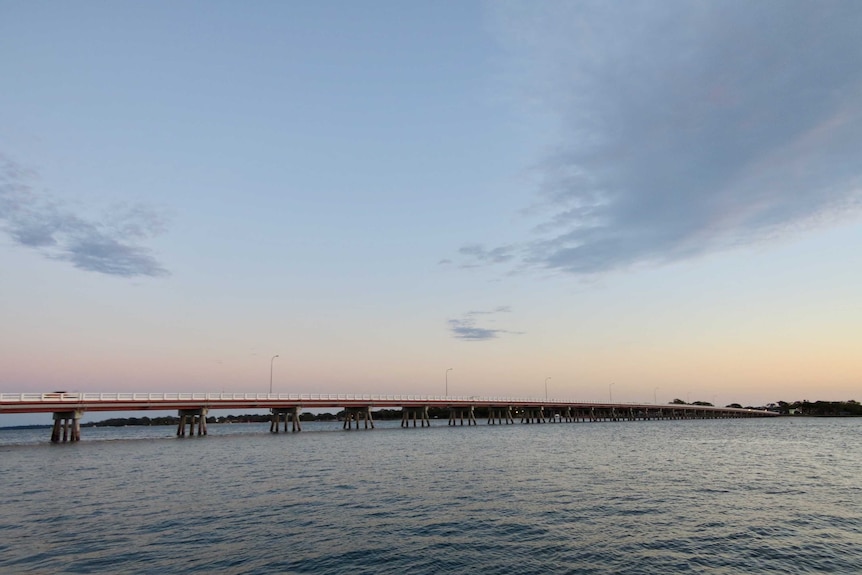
<point>58,402</point>
<point>193,408</point>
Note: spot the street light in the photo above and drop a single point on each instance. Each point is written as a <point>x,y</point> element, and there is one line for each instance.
<point>610,393</point>
<point>447,381</point>
<point>546,388</point>
<point>653,396</point>
<point>270,374</point>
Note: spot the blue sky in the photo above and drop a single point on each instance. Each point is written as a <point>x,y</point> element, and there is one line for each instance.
<point>659,195</point>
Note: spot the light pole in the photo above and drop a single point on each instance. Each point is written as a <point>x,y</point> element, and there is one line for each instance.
<point>653,396</point>
<point>546,388</point>
<point>447,381</point>
<point>270,374</point>
<point>610,393</point>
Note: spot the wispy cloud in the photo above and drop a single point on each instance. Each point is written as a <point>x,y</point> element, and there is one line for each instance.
<point>109,244</point>
<point>482,255</point>
<point>684,128</point>
<point>466,327</point>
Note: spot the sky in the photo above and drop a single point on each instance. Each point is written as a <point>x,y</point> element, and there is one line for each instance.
<point>641,201</point>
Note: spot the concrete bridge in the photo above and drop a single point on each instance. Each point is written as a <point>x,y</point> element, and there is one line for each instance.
<point>192,408</point>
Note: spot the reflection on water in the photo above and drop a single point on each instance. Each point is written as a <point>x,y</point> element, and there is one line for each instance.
<point>724,496</point>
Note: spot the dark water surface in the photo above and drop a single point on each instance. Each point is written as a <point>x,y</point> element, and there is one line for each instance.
<point>725,496</point>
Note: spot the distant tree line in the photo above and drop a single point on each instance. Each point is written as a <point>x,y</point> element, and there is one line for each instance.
<point>126,421</point>
<point>381,414</point>
<point>681,402</point>
<point>849,408</point>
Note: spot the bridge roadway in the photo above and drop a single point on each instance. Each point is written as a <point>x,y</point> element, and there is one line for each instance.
<point>67,408</point>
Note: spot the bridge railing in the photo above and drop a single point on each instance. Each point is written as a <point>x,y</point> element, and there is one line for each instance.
<point>73,397</point>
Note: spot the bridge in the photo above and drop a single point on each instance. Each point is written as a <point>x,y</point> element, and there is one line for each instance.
<point>192,408</point>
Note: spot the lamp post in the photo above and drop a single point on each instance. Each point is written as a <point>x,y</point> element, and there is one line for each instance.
<point>447,381</point>
<point>546,388</point>
<point>653,396</point>
<point>610,393</point>
<point>270,374</point>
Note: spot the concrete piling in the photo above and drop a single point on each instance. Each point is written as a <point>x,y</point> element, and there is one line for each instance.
<point>500,413</point>
<point>420,412</point>
<point>357,414</point>
<point>533,415</point>
<point>192,417</point>
<point>286,414</point>
<point>67,426</point>
<point>457,413</point>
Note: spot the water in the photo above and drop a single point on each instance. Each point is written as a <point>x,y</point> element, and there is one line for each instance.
<point>720,497</point>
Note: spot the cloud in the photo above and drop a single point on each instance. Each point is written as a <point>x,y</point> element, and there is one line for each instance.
<point>466,328</point>
<point>684,128</point>
<point>479,253</point>
<point>108,245</point>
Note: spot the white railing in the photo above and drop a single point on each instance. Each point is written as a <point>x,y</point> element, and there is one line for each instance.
<point>54,397</point>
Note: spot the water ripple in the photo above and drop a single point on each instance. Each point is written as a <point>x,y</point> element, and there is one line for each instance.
<point>722,497</point>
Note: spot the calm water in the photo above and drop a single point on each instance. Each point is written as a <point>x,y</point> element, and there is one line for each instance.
<point>757,496</point>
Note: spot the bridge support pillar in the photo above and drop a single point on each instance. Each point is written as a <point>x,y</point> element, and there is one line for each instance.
<point>67,424</point>
<point>533,415</point>
<point>459,413</point>
<point>192,417</point>
<point>421,412</point>
<point>356,414</point>
<point>500,413</point>
<point>287,414</point>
